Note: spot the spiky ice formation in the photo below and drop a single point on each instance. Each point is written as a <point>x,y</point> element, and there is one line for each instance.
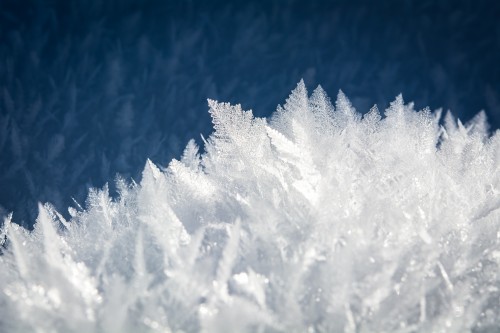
<point>319,220</point>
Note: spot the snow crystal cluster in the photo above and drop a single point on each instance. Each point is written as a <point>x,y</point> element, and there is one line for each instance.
<point>315,220</point>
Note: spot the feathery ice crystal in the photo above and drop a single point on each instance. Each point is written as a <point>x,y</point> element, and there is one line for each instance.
<point>317,220</point>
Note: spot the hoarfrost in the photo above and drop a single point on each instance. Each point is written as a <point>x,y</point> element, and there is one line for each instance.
<point>319,220</point>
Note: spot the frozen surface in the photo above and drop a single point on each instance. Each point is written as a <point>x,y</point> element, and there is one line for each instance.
<point>315,220</point>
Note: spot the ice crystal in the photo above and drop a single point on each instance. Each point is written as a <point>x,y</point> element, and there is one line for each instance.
<point>318,220</point>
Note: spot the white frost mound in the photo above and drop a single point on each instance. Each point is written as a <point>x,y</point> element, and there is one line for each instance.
<point>318,220</point>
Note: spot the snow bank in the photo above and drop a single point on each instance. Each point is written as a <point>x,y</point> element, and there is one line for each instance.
<point>316,220</point>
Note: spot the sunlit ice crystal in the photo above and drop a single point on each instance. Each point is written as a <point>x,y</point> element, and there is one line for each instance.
<point>318,219</point>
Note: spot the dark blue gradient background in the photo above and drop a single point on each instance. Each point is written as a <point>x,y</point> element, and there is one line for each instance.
<point>89,89</point>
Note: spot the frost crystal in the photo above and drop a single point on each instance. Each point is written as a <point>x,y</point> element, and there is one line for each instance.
<point>319,220</point>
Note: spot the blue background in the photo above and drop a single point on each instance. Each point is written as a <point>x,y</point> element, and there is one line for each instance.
<point>89,89</point>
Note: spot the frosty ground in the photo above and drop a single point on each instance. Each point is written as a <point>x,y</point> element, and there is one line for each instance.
<point>317,219</point>
<point>309,220</point>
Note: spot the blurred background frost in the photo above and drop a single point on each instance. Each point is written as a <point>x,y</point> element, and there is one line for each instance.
<point>92,88</point>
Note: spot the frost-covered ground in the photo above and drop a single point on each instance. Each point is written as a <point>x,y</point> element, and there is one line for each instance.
<point>91,88</point>
<point>309,220</point>
<point>315,220</point>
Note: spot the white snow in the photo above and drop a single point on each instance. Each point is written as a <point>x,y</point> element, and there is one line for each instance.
<point>316,220</point>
